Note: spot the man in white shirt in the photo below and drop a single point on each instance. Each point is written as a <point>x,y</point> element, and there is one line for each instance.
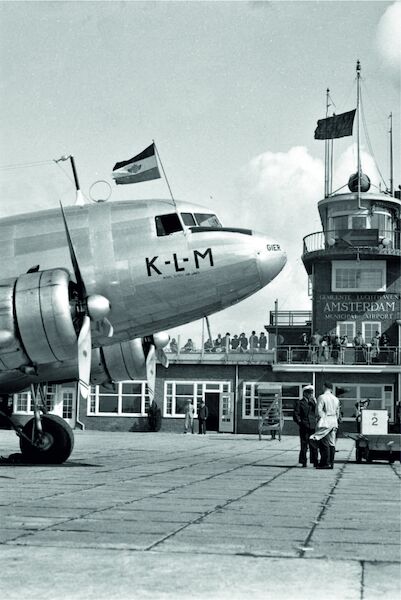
<point>327,412</point>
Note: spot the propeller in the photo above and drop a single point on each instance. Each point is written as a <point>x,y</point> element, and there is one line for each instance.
<point>89,308</point>
<point>153,346</point>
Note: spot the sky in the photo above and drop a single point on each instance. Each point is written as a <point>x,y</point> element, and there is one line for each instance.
<point>229,91</point>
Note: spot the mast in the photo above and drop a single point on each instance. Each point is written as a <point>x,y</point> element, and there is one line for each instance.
<point>358,110</point>
<point>326,152</point>
<point>391,155</point>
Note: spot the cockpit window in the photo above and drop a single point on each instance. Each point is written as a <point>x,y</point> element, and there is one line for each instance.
<point>204,220</point>
<point>167,224</point>
<point>188,219</point>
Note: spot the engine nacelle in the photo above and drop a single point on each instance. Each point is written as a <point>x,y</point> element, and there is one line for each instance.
<point>36,324</point>
<point>124,361</point>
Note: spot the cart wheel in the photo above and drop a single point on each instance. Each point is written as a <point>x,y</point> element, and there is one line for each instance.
<point>358,455</point>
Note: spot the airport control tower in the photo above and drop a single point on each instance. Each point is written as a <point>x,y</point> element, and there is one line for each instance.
<point>354,263</point>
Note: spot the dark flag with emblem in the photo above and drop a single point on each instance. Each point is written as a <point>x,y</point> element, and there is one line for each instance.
<point>335,127</point>
<point>141,167</point>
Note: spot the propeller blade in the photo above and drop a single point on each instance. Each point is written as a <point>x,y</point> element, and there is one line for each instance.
<point>107,327</point>
<point>162,357</point>
<point>84,356</point>
<point>77,272</point>
<point>151,372</point>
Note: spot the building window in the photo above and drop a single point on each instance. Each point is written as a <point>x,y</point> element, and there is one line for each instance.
<point>128,398</point>
<point>369,329</point>
<point>347,328</point>
<point>68,399</point>
<point>22,403</point>
<point>291,392</point>
<point>380,396</point>
<point>176,394</point>
<point>358,222</point>
<point>359,276</point>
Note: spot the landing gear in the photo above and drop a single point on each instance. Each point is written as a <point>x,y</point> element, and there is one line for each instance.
<point>52,445</point>
<point>44,439</point>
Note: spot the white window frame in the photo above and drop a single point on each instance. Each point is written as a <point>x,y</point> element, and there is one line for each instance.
<point>221,387</point>
<point>349,264</point>
<point>377,327</point>
<point>253,397</point>
<point>350,337</point>
<point>52,395</point>
<point>92,409</point>
<point>387,398</point>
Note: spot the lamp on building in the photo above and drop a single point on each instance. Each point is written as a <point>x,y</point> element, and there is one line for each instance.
<point>385,242</point>
<point>331,241</point>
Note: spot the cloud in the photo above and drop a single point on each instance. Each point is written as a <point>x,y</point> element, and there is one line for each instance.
<point>278,195</point>
<point>388,37</point>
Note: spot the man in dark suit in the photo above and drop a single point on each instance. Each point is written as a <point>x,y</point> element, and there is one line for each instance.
<point>305,417</point>
<point>203,413</point>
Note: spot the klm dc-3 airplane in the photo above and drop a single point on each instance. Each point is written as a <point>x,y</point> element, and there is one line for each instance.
<point>87,291</point>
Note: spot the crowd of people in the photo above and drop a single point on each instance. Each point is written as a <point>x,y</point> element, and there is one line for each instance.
<point>322,348</point>
<point>226,343</point>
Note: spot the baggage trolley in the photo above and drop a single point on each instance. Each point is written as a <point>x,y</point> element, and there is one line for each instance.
<point>377,447</point>
<point>270,409</point>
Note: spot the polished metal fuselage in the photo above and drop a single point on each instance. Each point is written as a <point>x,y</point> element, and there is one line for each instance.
<point>153,282</point>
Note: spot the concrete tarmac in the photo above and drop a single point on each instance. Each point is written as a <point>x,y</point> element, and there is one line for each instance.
<point>166,516</point>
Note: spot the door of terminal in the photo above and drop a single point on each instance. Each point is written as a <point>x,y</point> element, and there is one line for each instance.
<point>226,416</point>
<point>212,401</point>
<point>65,403</point>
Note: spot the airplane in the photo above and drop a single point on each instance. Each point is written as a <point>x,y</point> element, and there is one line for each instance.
<point>87,292</point>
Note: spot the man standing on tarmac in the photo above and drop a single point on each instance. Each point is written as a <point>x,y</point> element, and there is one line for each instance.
<point>305,417</point>
<point>328,412</point>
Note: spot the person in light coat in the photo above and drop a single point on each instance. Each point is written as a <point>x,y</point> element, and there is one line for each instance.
<point>189,417</point>
<point>328,413</point>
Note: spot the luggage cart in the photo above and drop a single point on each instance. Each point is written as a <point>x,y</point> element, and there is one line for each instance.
<point>377,447</point>
<point>270,409</point>
<point>374,442</point>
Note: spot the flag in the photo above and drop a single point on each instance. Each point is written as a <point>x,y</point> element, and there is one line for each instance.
<point>335,127</point>
<point>141,167</point>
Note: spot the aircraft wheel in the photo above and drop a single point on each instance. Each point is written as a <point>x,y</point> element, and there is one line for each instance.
<point>55,445</point>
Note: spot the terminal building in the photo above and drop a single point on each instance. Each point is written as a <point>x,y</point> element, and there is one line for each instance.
<point>351,337</point>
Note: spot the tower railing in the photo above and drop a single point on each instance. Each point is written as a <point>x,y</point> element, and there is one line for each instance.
<point>338,241</point>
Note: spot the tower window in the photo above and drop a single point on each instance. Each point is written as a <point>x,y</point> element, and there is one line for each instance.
<point>359,276</point>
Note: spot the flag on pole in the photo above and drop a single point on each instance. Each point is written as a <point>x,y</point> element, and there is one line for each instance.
<point>141,167</point>
<point>335,127</point>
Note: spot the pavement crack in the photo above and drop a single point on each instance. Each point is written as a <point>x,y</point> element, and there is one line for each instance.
<point>305,546</point>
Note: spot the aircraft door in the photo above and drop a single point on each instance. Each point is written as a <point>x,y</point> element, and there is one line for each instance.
<point>226,416</point>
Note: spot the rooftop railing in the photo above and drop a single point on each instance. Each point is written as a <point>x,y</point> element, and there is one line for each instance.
<point>341,241</point>
<point>294,355</point>
<point>288,318</point>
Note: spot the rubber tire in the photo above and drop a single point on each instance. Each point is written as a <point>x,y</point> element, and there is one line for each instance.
<point>61,446</point>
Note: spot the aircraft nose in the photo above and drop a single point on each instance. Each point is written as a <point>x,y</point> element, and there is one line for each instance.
<point>270,257</point>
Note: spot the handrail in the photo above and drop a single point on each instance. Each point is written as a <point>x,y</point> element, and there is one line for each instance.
<point>338,240</point>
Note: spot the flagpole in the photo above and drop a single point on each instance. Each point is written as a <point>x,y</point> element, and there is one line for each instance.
<point>358,107</point>
<point>164,173</point>
<point>391,155</point>
<point>326,151</point>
